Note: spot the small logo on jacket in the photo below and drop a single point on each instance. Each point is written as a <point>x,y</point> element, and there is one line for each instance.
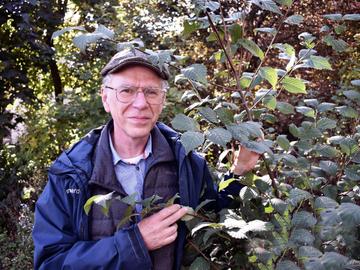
<point>73,191</point>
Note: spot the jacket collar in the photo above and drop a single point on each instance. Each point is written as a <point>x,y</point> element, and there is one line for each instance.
<point>103,173</point>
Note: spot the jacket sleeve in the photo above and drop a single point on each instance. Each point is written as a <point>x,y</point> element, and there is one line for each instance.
<point>57,244</point>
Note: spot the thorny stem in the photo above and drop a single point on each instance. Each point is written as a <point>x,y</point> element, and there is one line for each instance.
<point>202,254</point>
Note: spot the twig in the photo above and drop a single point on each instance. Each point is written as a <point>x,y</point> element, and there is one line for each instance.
<point>202,254</point>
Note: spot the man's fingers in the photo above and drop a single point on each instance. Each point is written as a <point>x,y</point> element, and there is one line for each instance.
<point>175,216</point>
<point>167,211</point>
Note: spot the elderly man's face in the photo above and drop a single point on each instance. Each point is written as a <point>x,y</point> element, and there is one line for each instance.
<point>132,120</point>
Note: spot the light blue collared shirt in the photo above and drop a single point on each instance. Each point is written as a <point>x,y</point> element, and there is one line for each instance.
<point>131,174</point>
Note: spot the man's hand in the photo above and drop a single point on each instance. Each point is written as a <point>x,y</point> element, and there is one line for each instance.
<point>160,229</point>
<point>244,161</point>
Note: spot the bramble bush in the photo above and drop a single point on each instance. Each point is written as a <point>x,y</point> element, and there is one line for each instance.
<point>299,208</point>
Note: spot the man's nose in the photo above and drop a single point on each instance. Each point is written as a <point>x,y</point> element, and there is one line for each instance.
<point>140,100</point>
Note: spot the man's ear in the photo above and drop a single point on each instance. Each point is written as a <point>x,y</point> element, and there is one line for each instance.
<point>104,99</point>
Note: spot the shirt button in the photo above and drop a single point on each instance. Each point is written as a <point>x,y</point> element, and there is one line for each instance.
<point>137,167</point>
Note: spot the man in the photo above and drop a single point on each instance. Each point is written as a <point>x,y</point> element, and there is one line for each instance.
<point>133,153</point>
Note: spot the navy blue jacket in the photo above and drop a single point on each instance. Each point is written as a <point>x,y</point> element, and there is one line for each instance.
<point>61,235</point>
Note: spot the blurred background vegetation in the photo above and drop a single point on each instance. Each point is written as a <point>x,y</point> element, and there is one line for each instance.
<point>49,89</point>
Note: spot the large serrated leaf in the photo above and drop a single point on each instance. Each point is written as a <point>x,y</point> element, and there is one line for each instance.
<point>81,41</point>
<point>209,114</point>
<point>294,85</point>
<point>307,111</point>
<point>302,237</point>
<point>329,167</point>
<point>184,123</point>
<point>326,151</point>
<point>200,264</point>
<point>319,62</point>
<point>350,214</point>
<point>191,140</point>
<point>334,260</point>
<point>326,123</point>
<point>106,32</point>
<point>257,147</point>
<point>309,252</point>
<point>225,115</point>
<point>347,111</point>
<point>352,94</point>
<point>323,202</point>
<point>219,136</point>
<point>279,205</point>
<point>267,5</point>
<point>252,47</point>
<point>295,19</point>
<point>196,72</point>
<point>303,219</point>
<point>338,45</point>
<point>283,142</point>
<point>285,108</point>
<point>298,195</point>
<point>248,193</point>
<point>269,74</point>
<point>287,265</point>
<point>238,132</point>
<point>190,27</point>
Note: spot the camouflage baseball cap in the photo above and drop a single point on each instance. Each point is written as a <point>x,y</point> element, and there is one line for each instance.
<point>133,57</point>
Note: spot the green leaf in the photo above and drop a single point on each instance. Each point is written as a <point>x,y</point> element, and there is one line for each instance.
<point>319,62</point>
<point>352,94</point>
<point>324,202</point>
<point>257,147</point>
<point>248,193</point>
<point>349,146</point>
<point>263,184</point>
<point>107,33</point>
<point>219,136</point>
<point>212,5</point>
<point>295,19</point>
<point>294,85</point>
<point>238,132</point>
<point>190,27</point>
<point>267,5</point>
<point>338,45</point>
<point>66,29</point>
<point>350,214</point>
<point>130,199</point>
<point>171,201</point>
<point>355,82</point>
<point>347,111</point>
<point>191,140</point>
<point>269,102</point>
<point>326,151</point>
<point>286,265</point>
<point>202,204</point>
<point>126,217</point>
<point>102,200</point>
<point>189,215</point>
<point>325,106</point>
<point>196,72</point>
<point>81,41</point>
<point>302,237</point>
<point>326,123</point>
<point>209,114</point>
<point>303,219</point>
<point>279,205</point>
<point>236,32</point>
<point>329,167</point>
<point>356,157</point>
<point>283,142</point>
<point>333,17</point>
<point>351,17</point>
<point>298,195</point>
<point>284,2</point>
<point>266,30</point>
<point>224,184</point>
<point>200,264</point>
<point>225,115</point>
<point>252,47</point>
<point>307,111</point>
<point>353,173</point>
<point>253,128</point>
<point>333,260</point>
<point>285,108</point>
<point>184,123</point>
<point>309,252</point>
<point>269,74</point>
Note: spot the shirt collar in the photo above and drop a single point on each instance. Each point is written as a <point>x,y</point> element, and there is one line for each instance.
<point>115,156</point>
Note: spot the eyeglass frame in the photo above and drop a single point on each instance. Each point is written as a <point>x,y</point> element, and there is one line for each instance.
<point>162,91</point>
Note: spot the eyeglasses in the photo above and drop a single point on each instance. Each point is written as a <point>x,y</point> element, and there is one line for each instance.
<point>127,94</point>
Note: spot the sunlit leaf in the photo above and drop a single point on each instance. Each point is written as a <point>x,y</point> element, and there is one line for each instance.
<point>295,19</point>
<point>267,5</point>
<point>219,136</point>
<point>252,47</point>
<point>294,85</point>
